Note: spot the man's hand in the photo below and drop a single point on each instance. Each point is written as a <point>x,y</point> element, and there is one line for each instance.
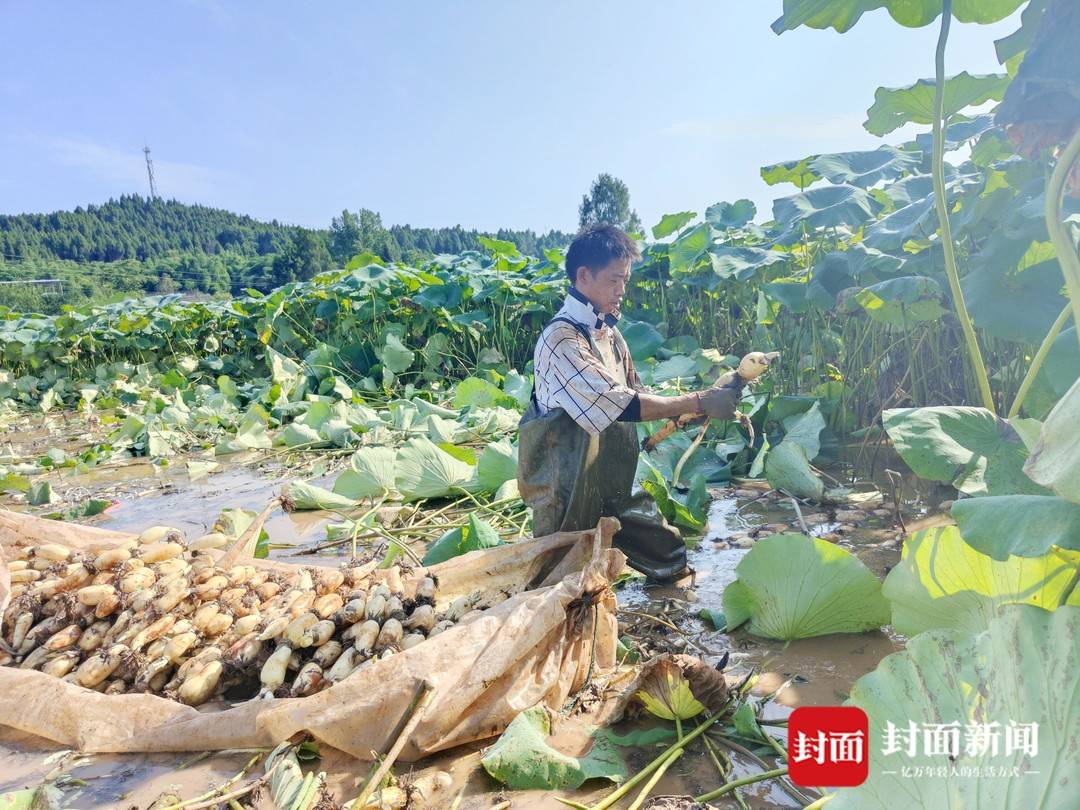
<point>719,403</point>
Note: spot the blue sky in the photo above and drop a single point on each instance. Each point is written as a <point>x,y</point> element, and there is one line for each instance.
<point>484,114</point>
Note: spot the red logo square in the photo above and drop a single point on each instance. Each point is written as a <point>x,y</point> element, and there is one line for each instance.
<point>828,746</point>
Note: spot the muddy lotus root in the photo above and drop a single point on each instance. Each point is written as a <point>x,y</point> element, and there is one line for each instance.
<point>158,615</point>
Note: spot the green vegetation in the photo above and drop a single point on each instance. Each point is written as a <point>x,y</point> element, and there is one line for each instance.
<point>136,246</point>
<point>914,301</point>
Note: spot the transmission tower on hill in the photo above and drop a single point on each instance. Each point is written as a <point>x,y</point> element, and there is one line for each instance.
<point>150,172</point>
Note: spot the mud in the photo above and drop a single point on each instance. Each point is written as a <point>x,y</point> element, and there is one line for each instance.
<point>807,672</point>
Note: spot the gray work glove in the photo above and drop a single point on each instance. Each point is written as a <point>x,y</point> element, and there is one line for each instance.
<point>718,403</point>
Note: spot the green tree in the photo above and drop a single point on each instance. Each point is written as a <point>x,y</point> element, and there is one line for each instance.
<point>304,257</point>
<point>608,201</point>
<point>344,237</point>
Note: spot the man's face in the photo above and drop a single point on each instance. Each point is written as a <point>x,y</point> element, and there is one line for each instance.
<point>605,287</point>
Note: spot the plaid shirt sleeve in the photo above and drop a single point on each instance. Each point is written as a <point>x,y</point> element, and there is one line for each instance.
<point>570,376</point>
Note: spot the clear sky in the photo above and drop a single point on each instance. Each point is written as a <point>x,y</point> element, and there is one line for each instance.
<point>485,114</point>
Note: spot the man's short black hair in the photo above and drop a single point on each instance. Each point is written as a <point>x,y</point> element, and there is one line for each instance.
<point>597,246</point>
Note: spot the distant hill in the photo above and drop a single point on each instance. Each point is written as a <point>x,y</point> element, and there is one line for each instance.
<point>135,227</point>
<point>135,245</point>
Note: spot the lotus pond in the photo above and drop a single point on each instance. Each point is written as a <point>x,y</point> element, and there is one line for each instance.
<point>900,531</point>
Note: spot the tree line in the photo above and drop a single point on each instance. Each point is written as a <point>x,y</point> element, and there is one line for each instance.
<point>138,245</point>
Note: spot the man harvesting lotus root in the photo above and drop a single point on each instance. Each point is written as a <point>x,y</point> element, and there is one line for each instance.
<point>578,447</point>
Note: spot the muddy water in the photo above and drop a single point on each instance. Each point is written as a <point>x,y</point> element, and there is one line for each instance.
<point>807,672</point>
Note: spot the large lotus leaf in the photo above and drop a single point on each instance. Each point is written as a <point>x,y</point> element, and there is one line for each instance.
<point>970,448</point>
<point>1011,275</point>
<point>826,207</point>
<point>893,108</point>
<point>689,247</point>
<point>791,292</point>
<point>523,758</point>
<point>284,372</point>
<point>839,270</point>
<point>670,223</point>
<point>1062,365</point>
<point>902,302</point>
<point>726,215</point>
<point>251,435</point>
<point>915,221</point>
<point>1018,41</point>
<point>306,496</point>
<point>445,295</point>
<point>910,189</point>
<point>1020,670</point>
<point>742,263</point>
<point>395,356</point>
<point>1055,461</point>
<point>865,169</point>
<point>796,172</point>
<point>497,465</point>
<point>642,338</point>
<point>1020,525</point>
<point>423,470</point>
<point>804,429</point>
<point>787,468</point>
<point>476,392</point>
<point>371,473</point>
<point>843,14</point>
<point>941,582</point>
<point>674,367</point>
<point>792,586</point>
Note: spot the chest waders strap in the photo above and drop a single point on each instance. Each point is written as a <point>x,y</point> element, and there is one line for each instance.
<point>582,330</point>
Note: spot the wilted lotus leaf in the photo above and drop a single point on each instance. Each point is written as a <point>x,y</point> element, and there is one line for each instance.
<point>681,686</point>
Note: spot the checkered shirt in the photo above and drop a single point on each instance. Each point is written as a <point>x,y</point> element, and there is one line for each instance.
<point>570,374</point>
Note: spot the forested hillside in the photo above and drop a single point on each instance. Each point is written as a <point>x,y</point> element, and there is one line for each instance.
<point>136,245</point>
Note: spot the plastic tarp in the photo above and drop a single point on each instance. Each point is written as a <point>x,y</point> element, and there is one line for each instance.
<point>534,647</point>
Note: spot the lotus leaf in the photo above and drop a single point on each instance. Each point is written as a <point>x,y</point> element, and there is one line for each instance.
<point>425,471</point>
<point>893,108</point>
<point>523,759</point>
<point>371,473</point>
<point>497,465</point>
<point>1055,461</point>
<point>306,496</point>
<point>943,582</point>
<point>791,586</point>
<point>975,451</point>
<point>828,206</point>
<point>865,169</point>
<point>670,223</point>
<point>1020,670</point>
<point>843,14</point>
<point>725,215</point>
<point>1021,525</point>
<point>787,468</point>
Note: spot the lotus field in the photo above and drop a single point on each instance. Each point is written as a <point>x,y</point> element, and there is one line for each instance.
<point>912,476</point>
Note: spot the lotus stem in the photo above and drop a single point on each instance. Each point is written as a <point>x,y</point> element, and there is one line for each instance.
<point>738,783</point>
<point>1037,360</point>
<point>656,777</point>
<point>982,380</point>
<point>1059,235</point>
<point>411,720</point>
<point>686,456</point>
<point>824,800</point>
<point>629,784</point>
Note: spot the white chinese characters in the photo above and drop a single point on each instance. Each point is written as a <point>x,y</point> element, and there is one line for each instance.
<point>952,739</point>
<point>829,746</point>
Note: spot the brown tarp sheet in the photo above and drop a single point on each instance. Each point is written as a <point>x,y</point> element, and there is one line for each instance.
<point>534,647</point>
